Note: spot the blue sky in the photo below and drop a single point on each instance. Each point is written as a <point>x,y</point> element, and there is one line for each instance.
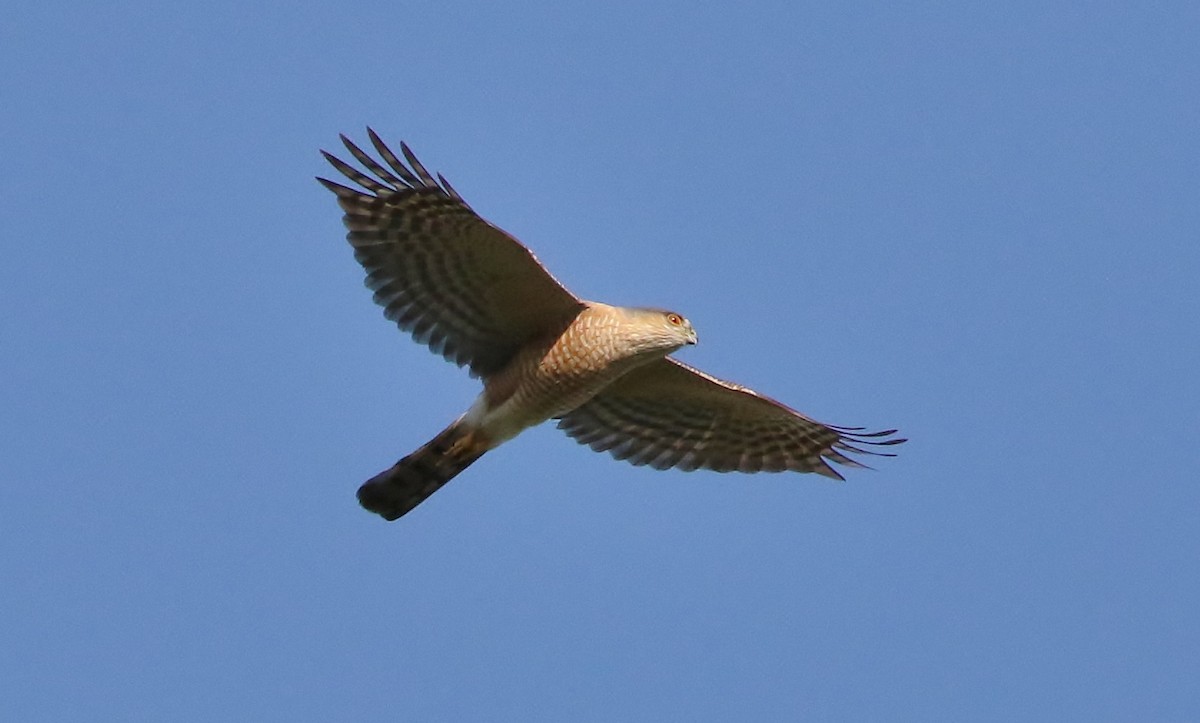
<point>979,225</point>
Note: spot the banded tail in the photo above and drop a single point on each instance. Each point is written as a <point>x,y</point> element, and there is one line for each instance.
<point>395,491</point>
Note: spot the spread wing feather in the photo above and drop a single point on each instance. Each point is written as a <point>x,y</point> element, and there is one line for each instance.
<point>667,414</point>
<point>460,285</point>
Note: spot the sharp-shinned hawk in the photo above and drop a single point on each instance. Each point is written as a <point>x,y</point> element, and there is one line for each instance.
<point>475,295</point>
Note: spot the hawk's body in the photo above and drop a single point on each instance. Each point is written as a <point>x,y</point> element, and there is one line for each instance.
<point>481,299</point>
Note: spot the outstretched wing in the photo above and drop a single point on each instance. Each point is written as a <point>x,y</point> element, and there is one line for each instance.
<point>667,414</point>
<point>467,289</point>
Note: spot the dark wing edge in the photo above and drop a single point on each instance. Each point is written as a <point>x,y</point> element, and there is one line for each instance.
<point>398,178</point>
<point>711,421</point>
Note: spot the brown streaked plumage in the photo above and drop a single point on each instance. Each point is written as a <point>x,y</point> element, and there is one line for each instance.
<point>475,295</point>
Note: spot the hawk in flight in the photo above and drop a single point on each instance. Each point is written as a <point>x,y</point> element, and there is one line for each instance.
<point>478,297</point>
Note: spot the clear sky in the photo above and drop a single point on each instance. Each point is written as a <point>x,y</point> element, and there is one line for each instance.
<point>979,225</point>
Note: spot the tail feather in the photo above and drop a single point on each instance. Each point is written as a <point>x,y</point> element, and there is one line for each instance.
<point>395,491</point>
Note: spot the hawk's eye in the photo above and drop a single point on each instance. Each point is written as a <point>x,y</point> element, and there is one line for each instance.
<point>675,319</point>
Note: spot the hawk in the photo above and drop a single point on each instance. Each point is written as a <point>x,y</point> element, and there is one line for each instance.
<point>477,296</point>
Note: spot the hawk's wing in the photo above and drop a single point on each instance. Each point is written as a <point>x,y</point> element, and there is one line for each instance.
<point>467,289</point>
<point>667,414</point>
